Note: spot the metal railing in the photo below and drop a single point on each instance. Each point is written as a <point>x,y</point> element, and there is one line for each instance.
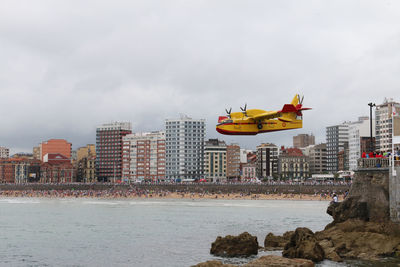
<point>373,163</point>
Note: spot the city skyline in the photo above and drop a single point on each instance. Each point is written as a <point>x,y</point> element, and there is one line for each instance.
<point>68,68</point>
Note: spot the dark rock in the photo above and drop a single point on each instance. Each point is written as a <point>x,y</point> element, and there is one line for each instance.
<point>243,245</point>
<point>303,244</point>
<point>368,199</point>
<point>357,239</point>
<point>213,264</point>
<point>351,208</point>
<point>277,242</point>
<point>277,261</point>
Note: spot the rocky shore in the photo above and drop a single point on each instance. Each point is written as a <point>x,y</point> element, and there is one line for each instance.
<point>361,230</point>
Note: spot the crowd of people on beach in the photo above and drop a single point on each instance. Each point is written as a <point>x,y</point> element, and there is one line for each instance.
<point>137,192</point>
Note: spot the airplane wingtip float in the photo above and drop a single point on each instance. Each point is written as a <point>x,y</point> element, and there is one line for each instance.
<point>255,121</point>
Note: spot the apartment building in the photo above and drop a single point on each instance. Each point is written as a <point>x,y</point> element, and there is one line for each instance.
<point>54,146</point>
<point>293,164</point>
<point>336,138</point>
<point>383,120</point>
<point>144,157</point>
<point>233,162</point>
<point>109,150</point>
<point>303,140</point>
<point>4,152</point>
<point>184,148</point>
<point>317,158</point>
<point>267,161</point>
<point>215,160</point>
<point>359,140</point>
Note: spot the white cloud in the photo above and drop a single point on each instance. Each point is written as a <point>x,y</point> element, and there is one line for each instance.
<point>68,66</point>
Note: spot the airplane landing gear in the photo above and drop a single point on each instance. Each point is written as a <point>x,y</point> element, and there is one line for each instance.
<point>259,126</point>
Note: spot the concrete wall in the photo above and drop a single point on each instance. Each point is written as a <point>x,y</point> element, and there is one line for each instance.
<point>394,195</point>
<point>245,189</point>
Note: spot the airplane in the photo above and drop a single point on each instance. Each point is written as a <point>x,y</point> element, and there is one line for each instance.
<point>255,121</point>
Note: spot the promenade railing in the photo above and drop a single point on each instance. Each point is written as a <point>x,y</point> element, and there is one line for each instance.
<point>373,163</point>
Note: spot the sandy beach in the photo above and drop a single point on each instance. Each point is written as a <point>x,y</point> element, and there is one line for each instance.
<point>132,194</point>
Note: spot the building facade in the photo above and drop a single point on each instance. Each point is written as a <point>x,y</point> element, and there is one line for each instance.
<point>19,170</point>
<point>4,152</point>
<point>144,157</point>
<point>36,152</point>
<point>336,138</point>
<point>383,120</point>
<point>233,162</point>
<point>56,168</point>
<point>303,140</point>
<point>86,170</point>
<point>267,161</point>
<point>184,148</point>
<point>109,150</point>
<point>359,140</point>
<point>317,158</point>
<point>88,151</point>
<point>249,172</point>
<point>52,146</point>
<point>293,164</point>
<point>215,160</point>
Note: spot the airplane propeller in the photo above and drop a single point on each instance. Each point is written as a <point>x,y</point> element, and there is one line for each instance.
<point>299,106</point>
<point>228,112</point>
<point>244,109</point>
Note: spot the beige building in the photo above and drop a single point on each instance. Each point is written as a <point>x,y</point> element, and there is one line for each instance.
<point>233,162</point>
<point>293,164</point>
<point>86,170</point>
<point>215,160</point>
<point>87,151</point>
<point>383,122</point>
<point>36,152</point>
<point>303,140</point>
<point>4,152</point>
<point>317,158</point>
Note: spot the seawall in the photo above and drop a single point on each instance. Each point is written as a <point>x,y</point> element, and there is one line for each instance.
<point>195,188</point>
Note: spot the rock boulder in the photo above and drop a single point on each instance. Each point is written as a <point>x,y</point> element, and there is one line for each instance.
<point>243,245</point>
<point>303,244</point>
<point>277,261</point>
<point>272,241</point>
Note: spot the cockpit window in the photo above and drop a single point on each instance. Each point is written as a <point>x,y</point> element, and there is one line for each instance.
<point>226,121</point>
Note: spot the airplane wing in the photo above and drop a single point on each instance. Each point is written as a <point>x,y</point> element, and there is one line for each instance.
<point>267,115</point>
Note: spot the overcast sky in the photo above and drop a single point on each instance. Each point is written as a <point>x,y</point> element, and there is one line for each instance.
<point>68,66</point>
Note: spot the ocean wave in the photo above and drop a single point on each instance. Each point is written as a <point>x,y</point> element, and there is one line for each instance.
<point>19,201</point>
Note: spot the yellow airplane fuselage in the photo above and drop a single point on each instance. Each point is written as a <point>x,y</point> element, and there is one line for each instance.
<point>243,124</point>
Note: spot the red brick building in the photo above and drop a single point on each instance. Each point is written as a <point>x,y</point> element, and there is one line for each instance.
<point>60,146</point>
<point>109,150</point>
<point>56,168</point>
<point>19,170</point>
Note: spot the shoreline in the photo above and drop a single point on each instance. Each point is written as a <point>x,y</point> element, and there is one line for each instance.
<point>52,194</point>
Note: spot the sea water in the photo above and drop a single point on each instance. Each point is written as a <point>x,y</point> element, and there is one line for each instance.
<point>143,232</point>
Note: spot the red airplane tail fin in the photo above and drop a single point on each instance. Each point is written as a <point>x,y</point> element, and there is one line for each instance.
<point>290,111</point>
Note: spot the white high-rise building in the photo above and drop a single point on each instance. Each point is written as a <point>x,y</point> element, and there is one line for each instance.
<point>4,152</point>
<point>359,135</point>
<point>337,137</point>
<point>383,119</point>
<point>184,148</point>
<point>143,157</point>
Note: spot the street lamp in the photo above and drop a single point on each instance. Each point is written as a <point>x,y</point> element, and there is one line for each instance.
<point>371,146</point>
